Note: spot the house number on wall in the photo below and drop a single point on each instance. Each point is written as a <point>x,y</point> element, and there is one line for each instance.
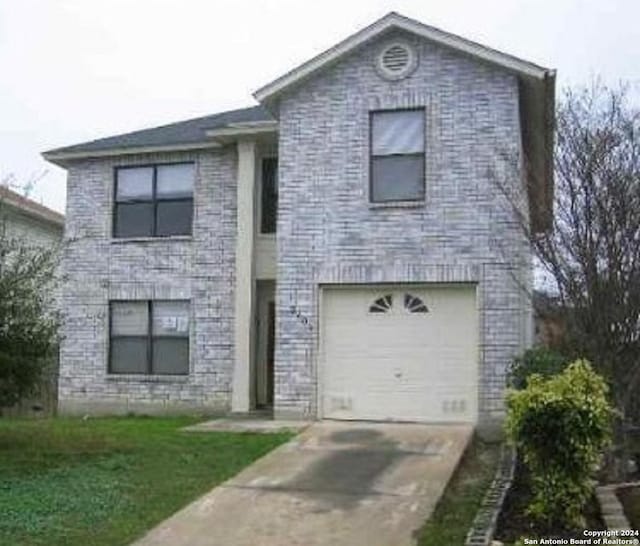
<point>301,318</point>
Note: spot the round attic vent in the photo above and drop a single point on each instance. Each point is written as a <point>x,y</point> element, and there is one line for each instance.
<point>396,61</point>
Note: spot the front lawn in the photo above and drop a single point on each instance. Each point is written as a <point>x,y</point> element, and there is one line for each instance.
<point>106,481</point>
<point>452,518</point>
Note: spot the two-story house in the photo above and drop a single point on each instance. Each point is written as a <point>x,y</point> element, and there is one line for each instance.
<point>342,250</point>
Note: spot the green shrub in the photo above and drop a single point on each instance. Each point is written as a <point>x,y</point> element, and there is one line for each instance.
<point>537,360</point>
<point>560,426</point>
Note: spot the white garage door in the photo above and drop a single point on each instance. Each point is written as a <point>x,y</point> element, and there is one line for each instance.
<point>404,353</point>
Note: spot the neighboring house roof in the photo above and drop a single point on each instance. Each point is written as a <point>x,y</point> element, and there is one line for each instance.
<point>29,207</point>
<point>183,135</point>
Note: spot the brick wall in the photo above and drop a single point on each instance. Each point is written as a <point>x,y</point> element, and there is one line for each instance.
<point>99,269</point>
<point>465,232</point>
<point>327,233</point>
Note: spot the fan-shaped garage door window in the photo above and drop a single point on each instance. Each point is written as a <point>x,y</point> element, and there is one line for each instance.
<point>413,304</point>
<point>382,305</point>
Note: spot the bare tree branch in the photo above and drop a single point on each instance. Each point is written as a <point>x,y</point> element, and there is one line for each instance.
<point>592,252</point>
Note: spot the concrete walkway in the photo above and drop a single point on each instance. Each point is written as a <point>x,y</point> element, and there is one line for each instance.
<point>256,425</point>
<point>338,484</point>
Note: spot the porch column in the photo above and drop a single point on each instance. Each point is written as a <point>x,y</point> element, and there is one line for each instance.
<point>240,397</point>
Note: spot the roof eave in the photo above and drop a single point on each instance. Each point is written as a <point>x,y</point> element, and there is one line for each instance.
<point>235,131</point>
<point>50,220</point>
<point>550,123</point>
<point>50,217</point>
<point>216,138</point>
<point>63,159</point>
<point>538,125</point>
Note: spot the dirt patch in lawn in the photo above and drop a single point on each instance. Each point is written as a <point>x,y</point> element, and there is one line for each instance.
<point>514,522</point>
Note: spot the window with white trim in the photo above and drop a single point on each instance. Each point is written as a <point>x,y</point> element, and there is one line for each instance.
<point>153,201</point>
<point>397,170</point>
<point>382,304</point>
<point>149,337</point>
<point>413,304</point>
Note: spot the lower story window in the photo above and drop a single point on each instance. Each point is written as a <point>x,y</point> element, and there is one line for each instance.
<point>149,337</point>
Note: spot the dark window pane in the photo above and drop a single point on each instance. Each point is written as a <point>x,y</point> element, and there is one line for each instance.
<point>170,355</point>
<point>397,178</point>
<point>134,183</point>
<point>175,181</point>
<point>174,217</point>
<point>128,355</point>
<point>133,220</point>
<point>269,214</point>
<point>400,132</point>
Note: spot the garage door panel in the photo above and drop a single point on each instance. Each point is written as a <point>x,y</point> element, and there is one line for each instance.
<point>399,365</point>
<point>409,408</point>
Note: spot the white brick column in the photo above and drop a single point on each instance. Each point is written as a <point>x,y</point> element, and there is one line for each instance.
<point>240,397</point>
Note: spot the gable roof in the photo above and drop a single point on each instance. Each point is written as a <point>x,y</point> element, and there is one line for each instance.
<point>537,107</point>
<point>390,21</point>
<point>30,207</point>
<point>183,135</point>
<point>536,93</point>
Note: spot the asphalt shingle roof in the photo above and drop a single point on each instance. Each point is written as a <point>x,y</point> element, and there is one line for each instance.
<point>183,132</point>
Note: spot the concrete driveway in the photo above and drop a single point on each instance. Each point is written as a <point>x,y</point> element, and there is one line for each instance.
<point>335,484</point>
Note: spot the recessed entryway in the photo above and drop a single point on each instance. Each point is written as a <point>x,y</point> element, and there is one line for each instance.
<point>265,344</point>
<point>399,353</point>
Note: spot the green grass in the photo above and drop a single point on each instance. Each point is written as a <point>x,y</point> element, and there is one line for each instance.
<point>454,514</point>
<point>106,481</point>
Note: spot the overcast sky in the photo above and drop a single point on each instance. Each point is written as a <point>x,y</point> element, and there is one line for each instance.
<point>75,70</point>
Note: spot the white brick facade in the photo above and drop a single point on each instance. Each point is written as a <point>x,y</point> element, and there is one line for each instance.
<point>328,232</point>
<point>99,268</point>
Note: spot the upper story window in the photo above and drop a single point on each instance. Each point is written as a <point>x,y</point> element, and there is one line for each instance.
<point>397,156</point>
<point>153,201</point>
<point>269,205</point>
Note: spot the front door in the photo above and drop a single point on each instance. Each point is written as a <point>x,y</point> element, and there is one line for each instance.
<point>271,345</point>
<point>265,349</point>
